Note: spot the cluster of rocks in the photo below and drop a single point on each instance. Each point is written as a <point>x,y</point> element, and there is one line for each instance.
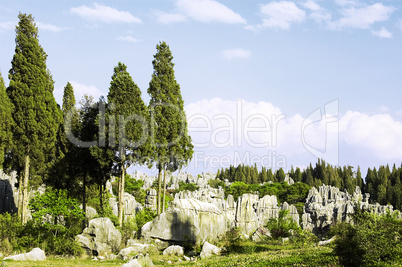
<point>204,215</point>
<point>329,205</point>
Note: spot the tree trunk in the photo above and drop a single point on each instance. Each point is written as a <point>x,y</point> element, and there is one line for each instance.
<point>159,188</point>
<point>20,189</point>
<point>121,194</point>
<point>164,190</point>
<point>84,202</point>
<point>101,196</point>
<point>25,197</point>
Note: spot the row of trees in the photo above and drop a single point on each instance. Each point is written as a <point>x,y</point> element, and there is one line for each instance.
<point>70,148</point>
<point>384,185</point>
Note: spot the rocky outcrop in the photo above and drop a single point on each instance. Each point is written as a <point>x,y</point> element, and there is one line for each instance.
<point>174,251</point>
<point>151,199</point>
<point>35,254</point>
<point>329,205</point>
<point>208,250</point>
<point>187,221</point>
<point>8,192</point>
<point>100,237</point>
<point>130,206</point>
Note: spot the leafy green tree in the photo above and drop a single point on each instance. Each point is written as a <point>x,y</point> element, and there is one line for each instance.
<point>281,226</point>
<point>6,122</point>
<point>173,147</point>
<point>131,129</point>
<point>35,112</point>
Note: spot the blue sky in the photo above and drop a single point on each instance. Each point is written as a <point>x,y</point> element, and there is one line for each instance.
<point>274,63</point>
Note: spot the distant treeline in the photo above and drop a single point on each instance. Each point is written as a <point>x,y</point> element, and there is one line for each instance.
<point>383,184</point>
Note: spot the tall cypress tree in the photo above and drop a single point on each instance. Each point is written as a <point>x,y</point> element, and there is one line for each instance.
<point>173,147</point>
<point>131,116</point>
<point>35,111</point>
<point>6,122</point>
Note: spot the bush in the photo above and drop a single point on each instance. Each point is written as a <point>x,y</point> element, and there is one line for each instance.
<point>128,230</point>
<point>215,183</point>
<point>371,241</point>
<point>144,216</point>
<point>186,186</point>
<point>282,226</point>
<point>9,232</point>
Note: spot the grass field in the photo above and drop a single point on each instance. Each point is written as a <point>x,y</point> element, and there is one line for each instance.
<point>247,254</point>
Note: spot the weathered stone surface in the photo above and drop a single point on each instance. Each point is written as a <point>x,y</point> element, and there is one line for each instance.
<point>174,251</point>
<point>151,199</point>
<point>135,249</point>
<point>187,220</point>
<point>35,254</point>
<point>329,205</point>
<point>100,237</point>
<point>132,263</point>
<point>208,250</point>
<point>131,206</point>
<point>8,192</point>
<point>260,234</point>
<point>246,213</point>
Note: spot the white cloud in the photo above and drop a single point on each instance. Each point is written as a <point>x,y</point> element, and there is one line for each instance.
<point>129,39</point>
<point>318,13</point>
<point>236,53</point>
<point>166,18</point>
<point>347,2</point>
<point>282,14</point>
<point>362,17</point>
<point>378,134</point>
<point>228,130</point>
<point>383,33</point>
<point>9,25</point>
<point>82,89</point>
<point>104,14</point>
<point>208,11</point>
<point>49,27</point>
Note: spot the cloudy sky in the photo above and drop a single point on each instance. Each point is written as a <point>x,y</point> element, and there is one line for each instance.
<point>276,83</point>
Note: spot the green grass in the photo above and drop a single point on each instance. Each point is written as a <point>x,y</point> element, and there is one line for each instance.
<point>245,254</point>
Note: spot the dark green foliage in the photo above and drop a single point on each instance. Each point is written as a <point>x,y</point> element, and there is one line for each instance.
<point>216,183</point>
<point>371,241</point>
<point>6,122</point>
<point>133,187</point>
<point>186,186</point>
<point>35,112</point>
<point>9,232</point>
<point>129,126</point>
<point>171,142</point>
<point>281,226</point>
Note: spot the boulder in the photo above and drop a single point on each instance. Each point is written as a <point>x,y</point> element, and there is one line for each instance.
<point>100,237</point>
<point>174,251</point>
<point>135,249</point>
<point>187,221</point>
<point>208,250</point>
<point>132,263</point>
<point>35,254</point>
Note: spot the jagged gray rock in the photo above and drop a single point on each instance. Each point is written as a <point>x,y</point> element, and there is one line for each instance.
<point>8,192</point>
<point>151,199</point>
<point>329,205</point>
<point>187,220</point>
<point>174,251</point>
<point>208,250</point>
<point>131,206</point>
<point>100,237</point>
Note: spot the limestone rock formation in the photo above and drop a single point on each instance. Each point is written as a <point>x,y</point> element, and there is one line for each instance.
<point>187,221</point>
<point>100,237</point>
<point>130,206</point>
<point>329,205</point>
<point>208,250</point>
<point>174,251</point>
<point>8,192</point>
<point>35,254</point>
<point>151,199</point>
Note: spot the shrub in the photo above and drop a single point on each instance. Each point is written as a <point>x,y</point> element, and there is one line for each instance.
<point>371,241</point>
<point>282,226</point>
<point>215,183</point>
<point>144,216</point>
<point>186,186</point>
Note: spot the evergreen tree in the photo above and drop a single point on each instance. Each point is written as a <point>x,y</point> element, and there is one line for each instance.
<point>173,147</point>
<point>6,121</point>
<point>35,111</point>
<point>131,118</point>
